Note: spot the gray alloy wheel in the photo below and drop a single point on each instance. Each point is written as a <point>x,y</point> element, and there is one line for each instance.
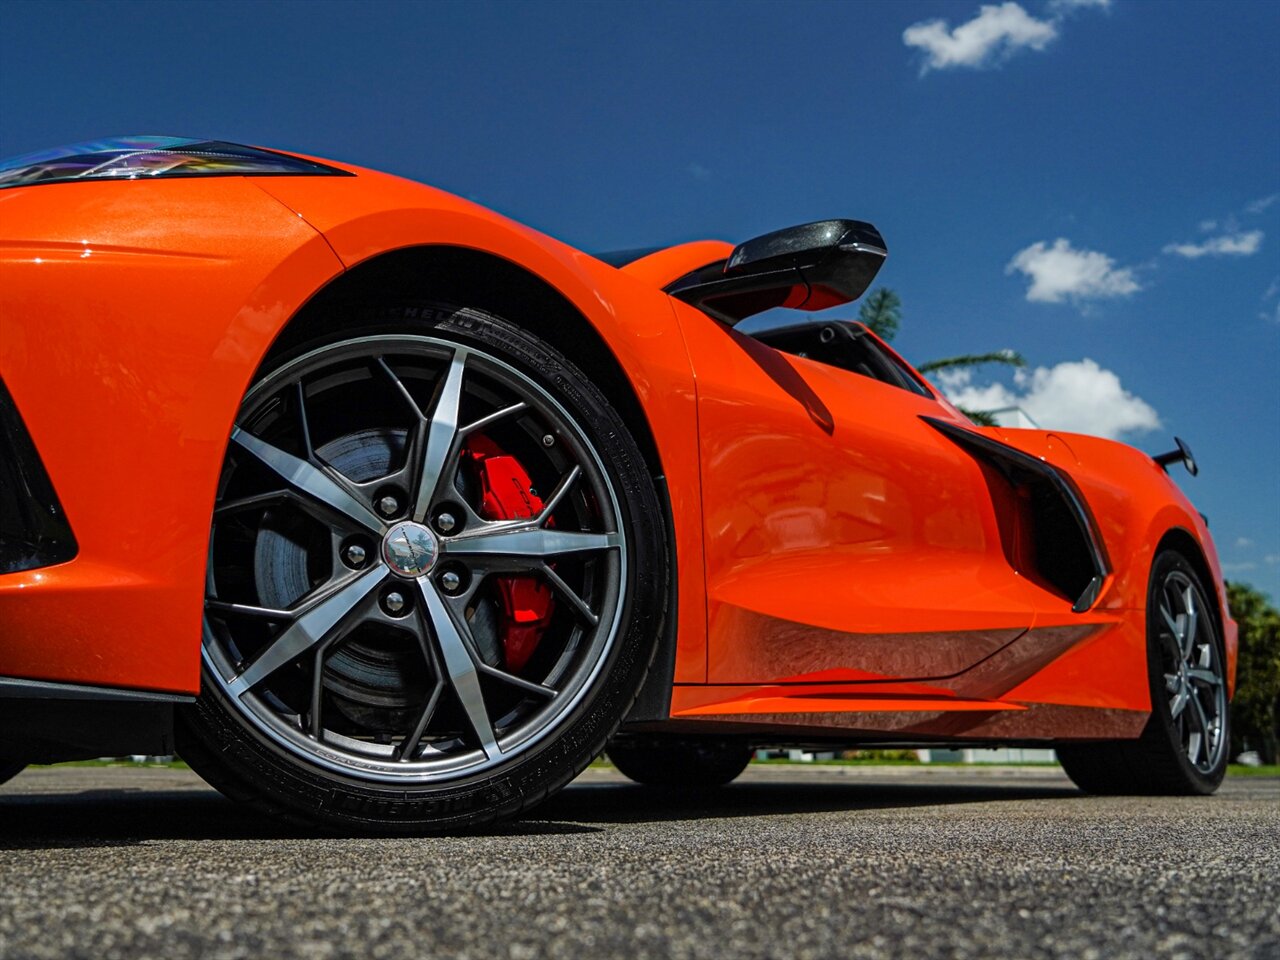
<point>1183,749</point>
<point>1191,666</point>
<point>359,665</point>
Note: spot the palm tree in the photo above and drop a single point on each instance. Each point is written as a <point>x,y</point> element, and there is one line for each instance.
<point>881,312</point>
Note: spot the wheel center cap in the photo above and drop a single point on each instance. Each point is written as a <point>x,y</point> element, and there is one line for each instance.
<point>410,549</point>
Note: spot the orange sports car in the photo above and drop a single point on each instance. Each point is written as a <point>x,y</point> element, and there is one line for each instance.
<point>389,513</point>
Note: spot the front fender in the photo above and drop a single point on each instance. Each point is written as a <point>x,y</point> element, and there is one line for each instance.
<point>371,214</point>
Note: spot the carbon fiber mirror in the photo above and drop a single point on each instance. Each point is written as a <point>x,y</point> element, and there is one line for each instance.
<point>809,267</point>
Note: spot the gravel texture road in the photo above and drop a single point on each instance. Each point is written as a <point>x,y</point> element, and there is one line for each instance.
<point>788,862</point>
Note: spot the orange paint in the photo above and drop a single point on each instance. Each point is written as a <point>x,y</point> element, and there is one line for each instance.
<point>835,554</point>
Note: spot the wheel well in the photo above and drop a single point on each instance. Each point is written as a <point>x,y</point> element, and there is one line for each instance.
<point>476,279</point>
<point>1182,542</point>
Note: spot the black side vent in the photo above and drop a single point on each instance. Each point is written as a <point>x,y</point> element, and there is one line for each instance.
<point>33,529</point>
<point>1059,540</point>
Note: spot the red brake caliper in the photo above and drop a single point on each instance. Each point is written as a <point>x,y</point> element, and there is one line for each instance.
<point>508,494</point>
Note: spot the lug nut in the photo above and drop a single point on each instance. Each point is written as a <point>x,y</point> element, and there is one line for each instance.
<point>356,555</point>
<point>548,440</point>
<point>446,522</point>
<point>450,582</point>
<point>388,506</point>
<point>393,603</point>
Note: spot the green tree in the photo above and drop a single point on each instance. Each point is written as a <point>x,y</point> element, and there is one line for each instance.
<point>881,311</point>
<point>1255,710</point>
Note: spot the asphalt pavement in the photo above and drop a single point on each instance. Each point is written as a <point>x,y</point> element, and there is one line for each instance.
<point>789,862</point>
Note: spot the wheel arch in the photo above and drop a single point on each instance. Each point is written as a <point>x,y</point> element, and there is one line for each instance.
<point>1184,542</point>
<point>477,278</point>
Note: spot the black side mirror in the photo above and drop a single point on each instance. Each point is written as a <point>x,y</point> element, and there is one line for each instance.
<point>1182,455</point>
<point>809,267</point>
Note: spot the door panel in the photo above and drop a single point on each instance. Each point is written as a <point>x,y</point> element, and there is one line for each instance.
<point>845,538</point>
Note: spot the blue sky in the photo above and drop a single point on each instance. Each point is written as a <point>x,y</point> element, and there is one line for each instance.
<point>1096,185</point>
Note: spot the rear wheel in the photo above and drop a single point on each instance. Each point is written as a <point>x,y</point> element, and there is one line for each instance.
<point>435,579</point>
<point>1184,747</point>
<point>679,762</point>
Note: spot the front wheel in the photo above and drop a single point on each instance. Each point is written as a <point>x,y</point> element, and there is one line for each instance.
<point>436,578</point>
<point>1184,746</point>
<point>696,763</point>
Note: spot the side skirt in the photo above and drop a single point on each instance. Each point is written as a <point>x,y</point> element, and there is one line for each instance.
<point>44,722</point>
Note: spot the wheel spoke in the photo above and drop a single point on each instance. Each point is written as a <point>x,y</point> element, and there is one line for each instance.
<point>460,665</point>
<point>1197,714</point>
<point>527,543</point>
<point>312,627</point>
<point>569,594</point>
<point>255,502</point>
<point>410,743</point>
<point>1175,625</point>
<point>558,494</point>
<point>315,720</point>
<point>1193,746</point>
<point>1179,702</point>
<point>540,689</point>
<point>1200,729</point>
<point>441,435</point>
<point>1189,636</point>
<point>407,747</point>
<point>1207,677</point>
<point>309,479</point>
<point>400,388</point>
<point>491,419</point>
<point>304,427</point>
<point>222,607</point>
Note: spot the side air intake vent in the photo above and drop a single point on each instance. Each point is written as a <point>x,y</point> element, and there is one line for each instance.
<point>33,530</point>
<point>1052,533</point>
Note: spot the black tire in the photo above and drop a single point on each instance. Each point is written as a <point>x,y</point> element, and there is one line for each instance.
<point>1159,761</point>
<point>10,770</point>
<point>689,763</point>
<point>240,756</point>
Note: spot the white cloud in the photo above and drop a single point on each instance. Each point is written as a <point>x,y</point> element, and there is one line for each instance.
<point>1243,542</point>
<point>1229,244</point>
<point>995,34</point>
<point>1272,558</point>
<point>1061,272</point>
<point>1239,567</point>
<point>1262,203</point>
<point>1076,395</point>
<point>992,36</point>
<point>698,171</point>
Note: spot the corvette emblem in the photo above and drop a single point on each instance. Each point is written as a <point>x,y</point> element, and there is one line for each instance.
<point>410,549</point>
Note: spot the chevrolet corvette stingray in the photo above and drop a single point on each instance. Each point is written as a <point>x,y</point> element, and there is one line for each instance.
<point>388,513</point>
